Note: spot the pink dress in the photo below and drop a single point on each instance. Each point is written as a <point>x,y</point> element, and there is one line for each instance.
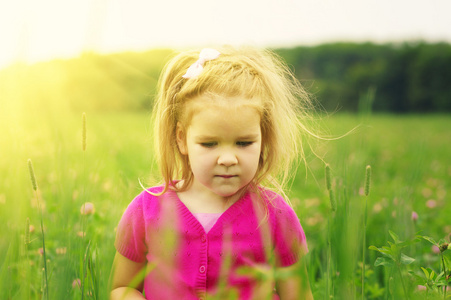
<point>186,261</point>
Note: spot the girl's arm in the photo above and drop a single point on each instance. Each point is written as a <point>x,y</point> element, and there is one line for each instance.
<point>295,286</point>
<point>123,273</point>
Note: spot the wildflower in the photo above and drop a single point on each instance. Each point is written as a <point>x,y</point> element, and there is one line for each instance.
<point>377,207</point>
<point>81,234</point>
<point>426,192</point>
<point>31,228</point>
<point>421,288</point>
<point>435,249</point>
<point>61,251</point>
<point>431,203</point>
<point>107,185</point>
<point>444,247</point>
<point>76,283</point>
<point>362,191</point>
<point>308,202</point>
<point>41,251</point>
<point>414,216</point>
<point>314,220</point>
<point>87,208</point>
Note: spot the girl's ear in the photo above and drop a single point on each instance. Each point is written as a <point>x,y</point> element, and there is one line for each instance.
<point>181,138</point>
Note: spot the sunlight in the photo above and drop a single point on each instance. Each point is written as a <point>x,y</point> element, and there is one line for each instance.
<point>33,31</point>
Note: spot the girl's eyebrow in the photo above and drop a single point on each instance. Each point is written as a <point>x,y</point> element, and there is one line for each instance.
<point>249,137</point>
<point>206,137</point>
<point>213,137</point>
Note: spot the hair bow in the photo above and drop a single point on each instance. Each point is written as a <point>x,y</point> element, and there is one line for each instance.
<point>195,69</point>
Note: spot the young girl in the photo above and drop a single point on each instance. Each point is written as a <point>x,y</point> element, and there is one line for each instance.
<point>228,129</point>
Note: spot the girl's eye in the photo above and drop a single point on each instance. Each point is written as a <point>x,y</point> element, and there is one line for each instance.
<point>208,145</point>
<point>244,144</point>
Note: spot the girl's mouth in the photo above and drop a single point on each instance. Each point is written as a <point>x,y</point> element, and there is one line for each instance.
<point>226,176</point>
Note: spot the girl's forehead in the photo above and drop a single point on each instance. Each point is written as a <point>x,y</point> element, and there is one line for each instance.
<point>226,104</point>
<point>226,122</point>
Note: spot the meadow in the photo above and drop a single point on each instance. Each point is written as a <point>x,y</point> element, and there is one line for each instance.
<point>408,197</point>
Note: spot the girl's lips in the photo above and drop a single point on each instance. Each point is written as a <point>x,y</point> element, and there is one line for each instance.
<point>226,176</point>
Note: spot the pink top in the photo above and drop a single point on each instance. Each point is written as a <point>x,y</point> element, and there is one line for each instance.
<point>207,220</point>
<point>186,262</point>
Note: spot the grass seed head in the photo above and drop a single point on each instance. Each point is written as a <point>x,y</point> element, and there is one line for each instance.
<point>367,180</point>
<point>32,177</point>
<point>333,202</point>
<point>83,135</point>
<point>328,180</point>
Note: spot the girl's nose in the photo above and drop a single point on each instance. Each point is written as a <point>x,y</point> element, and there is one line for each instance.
<point>227,159</point>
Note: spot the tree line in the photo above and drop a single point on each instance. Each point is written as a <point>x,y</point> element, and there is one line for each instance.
<point>400,78</point>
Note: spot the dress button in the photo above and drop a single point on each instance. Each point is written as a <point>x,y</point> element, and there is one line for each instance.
<point>202,269</point>
<point>203,238</point>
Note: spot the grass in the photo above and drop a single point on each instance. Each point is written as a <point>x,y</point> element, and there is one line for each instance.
<point>411,171</point>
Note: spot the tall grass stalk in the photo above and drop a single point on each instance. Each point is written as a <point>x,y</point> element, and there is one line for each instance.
<point>398,266</point>
<point>333,208</point>
<point>443,248</point>
<point>83,214</point>
<point>27,259</point>
<point>365,218</point>
<point>35,188</point>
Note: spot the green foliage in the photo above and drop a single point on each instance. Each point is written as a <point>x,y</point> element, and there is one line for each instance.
<point>408,77</point>
<point>91,82</point>
<point>408,154</point>
<point>392,254</point>
<point>430,279</point>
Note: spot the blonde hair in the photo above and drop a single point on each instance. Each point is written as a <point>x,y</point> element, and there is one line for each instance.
<point>257,75</point>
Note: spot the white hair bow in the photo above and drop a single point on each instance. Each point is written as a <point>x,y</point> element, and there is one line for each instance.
<point>195,69</point>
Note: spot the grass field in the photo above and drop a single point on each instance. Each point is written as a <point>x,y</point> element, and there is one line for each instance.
<point>411,172</point>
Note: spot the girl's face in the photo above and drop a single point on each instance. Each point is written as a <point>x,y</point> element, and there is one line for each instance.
<point>223,144</point>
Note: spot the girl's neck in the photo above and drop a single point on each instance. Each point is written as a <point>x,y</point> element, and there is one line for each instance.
<point>200,200</point>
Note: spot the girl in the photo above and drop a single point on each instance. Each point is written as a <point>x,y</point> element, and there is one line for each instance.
<point>228,127</point>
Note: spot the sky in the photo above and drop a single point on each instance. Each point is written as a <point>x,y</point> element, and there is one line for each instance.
<point>32,31</point>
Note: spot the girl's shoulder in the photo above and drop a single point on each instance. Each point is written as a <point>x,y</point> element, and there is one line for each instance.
<point>154,191</point>
<point>273,201</point>
<point>148,196</point>
<point>150,202</point>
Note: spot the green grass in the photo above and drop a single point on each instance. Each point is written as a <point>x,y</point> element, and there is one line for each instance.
<point>410,161</point>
